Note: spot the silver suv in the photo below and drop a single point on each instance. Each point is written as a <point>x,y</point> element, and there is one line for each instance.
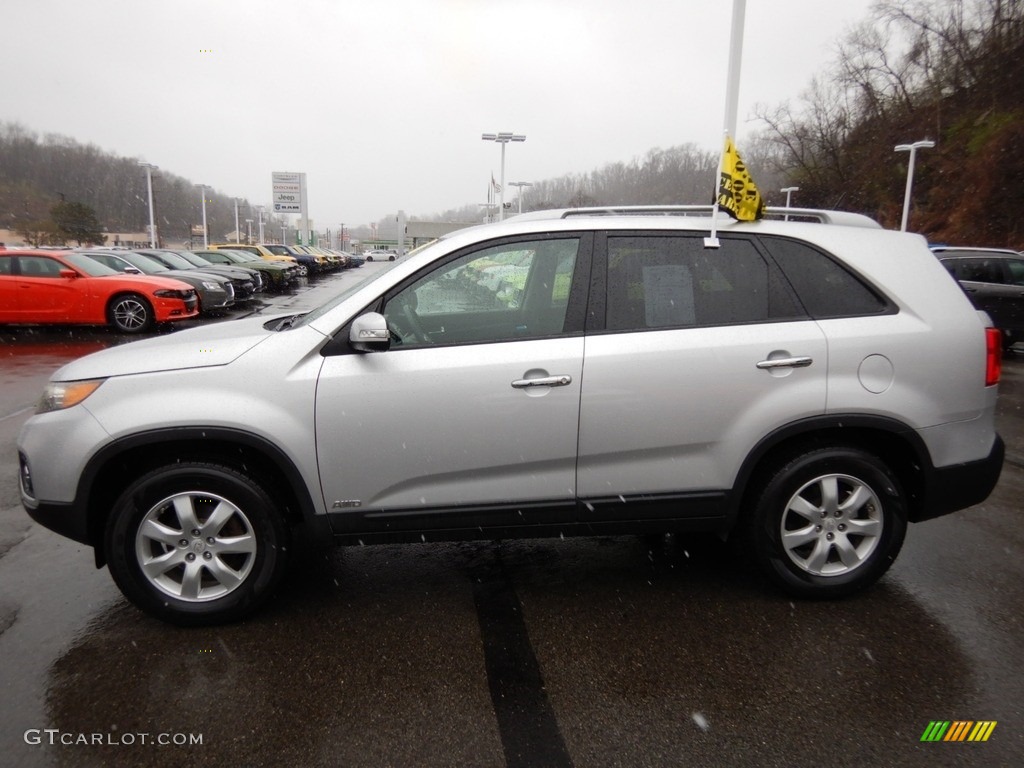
<point>808,385</point>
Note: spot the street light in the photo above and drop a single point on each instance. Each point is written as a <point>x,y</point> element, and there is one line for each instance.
<point>789,191</point>
<point>206,237</point>
<point>502,138</point>
<point>260,209</point>
<point>912,149</point>
<point>248,231</point>
<point>238,235</point>
<point>149,184</point>
<point>520,185</point>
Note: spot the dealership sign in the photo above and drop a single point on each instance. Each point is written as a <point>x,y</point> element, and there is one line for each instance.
<point>289,191</point>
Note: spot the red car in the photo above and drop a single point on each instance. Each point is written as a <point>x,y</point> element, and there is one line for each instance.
<point>65,287</point>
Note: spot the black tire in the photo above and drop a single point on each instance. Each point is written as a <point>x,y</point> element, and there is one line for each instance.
<point>196,544</point>
<point>828,522</point>
<point>130,313</point>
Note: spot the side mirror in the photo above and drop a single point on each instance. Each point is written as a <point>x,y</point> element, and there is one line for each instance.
<point>132,271</point>
<point>370,333</point>
<point>70,273</point>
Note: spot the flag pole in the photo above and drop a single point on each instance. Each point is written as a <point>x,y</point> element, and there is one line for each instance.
<point>732,92</point>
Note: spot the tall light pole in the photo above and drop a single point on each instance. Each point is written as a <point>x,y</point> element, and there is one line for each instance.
<point>260,209</point>
<point>149,185</point>
<point>502,138</point>
<point>520,185</point>
<point>789,191</point>
<point>238,235</point>
<point>912,149</point>
<point>248,231</point>
<point>206,236</point>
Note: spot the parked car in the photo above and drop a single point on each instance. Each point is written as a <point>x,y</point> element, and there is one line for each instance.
<point>809,388</point>
<point>379,255</point>
<point>264,252</point>
<point>329,261</point>
<point>993,280</point>
<point>229,268</point>
<point>353,259</point>
<point>67,287</point>
<point>246,284</point>
<point>278,275</point>
<point>215,293</point>
<point>313,265</point>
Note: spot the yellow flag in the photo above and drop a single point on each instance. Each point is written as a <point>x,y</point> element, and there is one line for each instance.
<point>737,192</point>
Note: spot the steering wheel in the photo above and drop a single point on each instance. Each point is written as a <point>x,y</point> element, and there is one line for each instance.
<point>409,317</point>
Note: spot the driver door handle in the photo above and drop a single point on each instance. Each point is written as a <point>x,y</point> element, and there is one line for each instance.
<point>545,381</point>
<point>785,362</point>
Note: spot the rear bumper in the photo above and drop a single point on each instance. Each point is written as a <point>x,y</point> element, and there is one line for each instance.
<point>948,489</point>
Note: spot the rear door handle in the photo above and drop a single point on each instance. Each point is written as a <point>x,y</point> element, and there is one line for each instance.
<point>545,381</point>
<point>785,362</point>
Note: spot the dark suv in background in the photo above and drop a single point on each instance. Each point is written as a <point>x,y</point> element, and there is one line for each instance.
<point>993,280</point>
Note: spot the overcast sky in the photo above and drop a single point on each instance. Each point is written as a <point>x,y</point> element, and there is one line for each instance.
<point>382,102</point>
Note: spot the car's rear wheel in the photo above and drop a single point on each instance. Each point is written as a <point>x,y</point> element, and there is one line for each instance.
<point>130,313</point>
<point>196,543</point>
<point>828,522</point>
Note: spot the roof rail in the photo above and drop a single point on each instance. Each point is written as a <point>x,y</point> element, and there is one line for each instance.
<point>843,218</point>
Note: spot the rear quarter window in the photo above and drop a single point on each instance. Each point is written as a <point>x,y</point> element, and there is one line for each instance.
<point>825,287</point>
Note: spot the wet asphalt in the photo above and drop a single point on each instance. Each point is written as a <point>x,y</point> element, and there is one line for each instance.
<point>611,651</point>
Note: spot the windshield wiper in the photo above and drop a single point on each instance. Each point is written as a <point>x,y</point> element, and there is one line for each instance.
<point>286,322</point>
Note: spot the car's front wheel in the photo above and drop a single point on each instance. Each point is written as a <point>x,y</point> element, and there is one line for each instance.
<point>828,522</point>
<point>130,313</point>
<point>196,543</point>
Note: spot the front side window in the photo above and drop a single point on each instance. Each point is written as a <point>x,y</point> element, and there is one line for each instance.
<point>38,266</point>
<point>674,281</point>
<point>510,291</point>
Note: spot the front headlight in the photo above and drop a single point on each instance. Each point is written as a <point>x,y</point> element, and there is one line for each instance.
<point>58,395</point>
<point>212,286</point>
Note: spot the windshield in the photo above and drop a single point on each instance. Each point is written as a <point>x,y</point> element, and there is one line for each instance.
<point>143,263</point>
<point>346,293</point>
<point>193,259</point>
<point>171,260</point>
<point>90,266</point>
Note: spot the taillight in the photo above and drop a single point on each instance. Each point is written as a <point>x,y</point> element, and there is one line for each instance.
<point>993,356</point>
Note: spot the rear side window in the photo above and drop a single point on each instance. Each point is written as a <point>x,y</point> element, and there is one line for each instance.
<point>825,287</point>
<point>980,270</point>
<point>1016,270</point>
<point>674,281</point>
<point>5,265</point>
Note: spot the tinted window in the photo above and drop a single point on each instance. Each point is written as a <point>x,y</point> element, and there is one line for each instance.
<point>1016,270</point>
<point>826,288</point>
<point>985,270</point>
<point>39,266</point>
<point>5,265</point>
<point>674,281</point>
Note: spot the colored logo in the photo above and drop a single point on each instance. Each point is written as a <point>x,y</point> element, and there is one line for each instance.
<point>958,730</point>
